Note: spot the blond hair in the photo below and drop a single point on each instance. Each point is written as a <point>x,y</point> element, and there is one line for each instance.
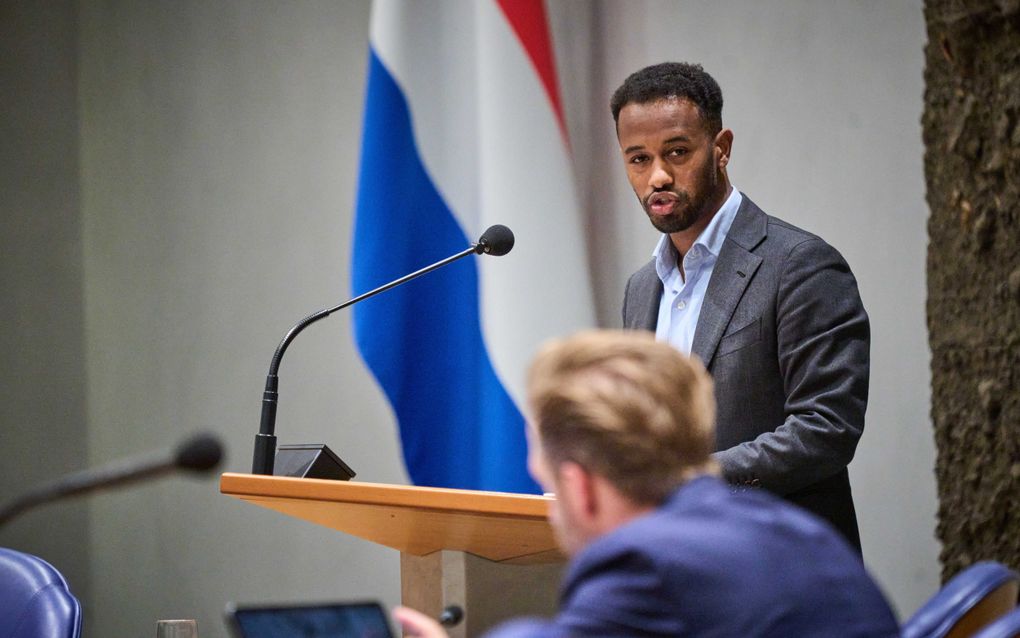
<point>626,407</point>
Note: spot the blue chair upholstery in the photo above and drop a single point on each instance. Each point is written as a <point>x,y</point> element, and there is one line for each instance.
<point>1006,627</point>
<point>34,599</point>
<point>970,600</point>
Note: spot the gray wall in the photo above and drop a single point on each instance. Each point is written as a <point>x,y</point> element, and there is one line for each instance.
<point>218,152</point>
<point>219,149</point>
<point>42,421</point>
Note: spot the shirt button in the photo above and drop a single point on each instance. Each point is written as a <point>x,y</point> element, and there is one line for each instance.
<point>681,305</point>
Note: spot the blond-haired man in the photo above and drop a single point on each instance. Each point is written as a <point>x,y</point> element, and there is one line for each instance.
<point>621,429</point>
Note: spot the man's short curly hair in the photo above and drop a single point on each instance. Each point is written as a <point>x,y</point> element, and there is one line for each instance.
<point>672,80</point>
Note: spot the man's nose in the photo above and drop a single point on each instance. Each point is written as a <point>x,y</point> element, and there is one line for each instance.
<point>660,177</point>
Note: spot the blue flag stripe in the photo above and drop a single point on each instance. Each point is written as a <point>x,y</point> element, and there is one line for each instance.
<point>423,340</point>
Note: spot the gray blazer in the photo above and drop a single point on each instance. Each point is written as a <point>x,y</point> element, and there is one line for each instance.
<point>786,338</point>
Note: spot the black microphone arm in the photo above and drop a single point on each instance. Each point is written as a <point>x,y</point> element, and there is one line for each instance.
<point>496,241</point>
<point>201,453</point>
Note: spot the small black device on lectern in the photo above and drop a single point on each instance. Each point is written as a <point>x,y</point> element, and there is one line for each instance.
<point>311,460</point>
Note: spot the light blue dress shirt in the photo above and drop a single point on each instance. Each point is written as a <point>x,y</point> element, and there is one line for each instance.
<point>682,297</point>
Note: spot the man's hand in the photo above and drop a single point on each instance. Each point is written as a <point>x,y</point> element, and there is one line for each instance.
<point>415,623</point>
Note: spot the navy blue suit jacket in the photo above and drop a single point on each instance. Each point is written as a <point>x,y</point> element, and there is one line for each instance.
<point>713,561</point>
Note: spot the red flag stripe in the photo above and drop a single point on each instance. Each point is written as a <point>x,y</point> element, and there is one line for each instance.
<point>529,22</point>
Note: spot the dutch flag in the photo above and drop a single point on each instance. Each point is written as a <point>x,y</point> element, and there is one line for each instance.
<point>464,128</point>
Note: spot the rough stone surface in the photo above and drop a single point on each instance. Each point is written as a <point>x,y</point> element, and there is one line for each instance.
<point>971,127</point>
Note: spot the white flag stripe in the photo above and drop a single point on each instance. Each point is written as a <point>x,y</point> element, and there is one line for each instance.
<point>489,138</point>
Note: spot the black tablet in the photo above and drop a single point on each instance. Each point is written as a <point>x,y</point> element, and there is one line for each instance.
<point>326,620</point>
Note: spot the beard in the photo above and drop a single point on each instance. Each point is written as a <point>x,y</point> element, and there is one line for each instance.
<point>690,205</point>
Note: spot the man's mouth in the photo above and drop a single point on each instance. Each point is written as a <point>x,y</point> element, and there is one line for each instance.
<point>662,203</point>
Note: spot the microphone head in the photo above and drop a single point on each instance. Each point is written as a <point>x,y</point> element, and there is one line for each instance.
<point>496,241</point>
<point>200,453</point>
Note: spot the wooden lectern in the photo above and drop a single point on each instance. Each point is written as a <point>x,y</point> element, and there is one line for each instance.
<point>490,553</point>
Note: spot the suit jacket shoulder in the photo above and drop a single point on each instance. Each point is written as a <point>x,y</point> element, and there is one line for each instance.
<point>704,564</point>
<point>747,234</point>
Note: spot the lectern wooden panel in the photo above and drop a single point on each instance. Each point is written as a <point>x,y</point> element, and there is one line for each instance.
<point>509,529</point>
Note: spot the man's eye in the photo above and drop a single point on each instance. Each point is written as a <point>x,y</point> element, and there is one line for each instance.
<point>678,152</point>
<point>638,159</point>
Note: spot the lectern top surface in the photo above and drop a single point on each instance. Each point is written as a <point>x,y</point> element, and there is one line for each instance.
<point>428,498</point>
<point>416,520</point>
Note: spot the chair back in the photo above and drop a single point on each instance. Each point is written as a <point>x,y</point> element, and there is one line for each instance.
<point>34,599</point>
<point>1006,627</point>
<point>969,601</point>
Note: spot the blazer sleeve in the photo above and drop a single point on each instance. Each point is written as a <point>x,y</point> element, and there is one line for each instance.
<point>621,593</point>
<point>615,594</point>
<point>823,342</point>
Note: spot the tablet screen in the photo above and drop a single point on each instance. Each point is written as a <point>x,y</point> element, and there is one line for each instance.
<point>331,620</point>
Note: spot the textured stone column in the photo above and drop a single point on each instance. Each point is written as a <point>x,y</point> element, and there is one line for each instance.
<point>971,129</point>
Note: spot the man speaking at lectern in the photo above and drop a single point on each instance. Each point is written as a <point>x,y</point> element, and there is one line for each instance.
<point>620,428</point>
<point>771,310</point>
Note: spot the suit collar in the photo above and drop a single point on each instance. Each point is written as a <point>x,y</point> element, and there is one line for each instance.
<point>732,273</point>
<point>750,226</point>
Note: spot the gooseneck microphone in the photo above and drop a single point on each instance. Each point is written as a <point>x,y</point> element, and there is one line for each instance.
<point>496,241</point>
<point>201,453</point>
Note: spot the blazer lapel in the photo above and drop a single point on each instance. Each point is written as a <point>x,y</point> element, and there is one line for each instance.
<point>734,269</point>
<point>648,310</point>
<point>641,307</point>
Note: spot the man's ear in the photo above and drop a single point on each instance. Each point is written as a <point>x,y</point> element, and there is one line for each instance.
<point>722,146</point>
<point>580,487</point>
